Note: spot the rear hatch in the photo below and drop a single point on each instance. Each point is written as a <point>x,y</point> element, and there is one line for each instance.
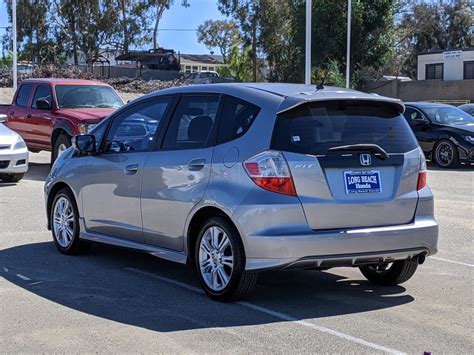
<point>354,163</point>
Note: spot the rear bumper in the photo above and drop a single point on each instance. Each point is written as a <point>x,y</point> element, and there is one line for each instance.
<point>311,249</point>
<point>14,163</point>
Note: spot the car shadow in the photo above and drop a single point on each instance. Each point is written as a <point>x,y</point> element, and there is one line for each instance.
<point>144,291</point>
<point>37,171</point>
<point>462,167</point>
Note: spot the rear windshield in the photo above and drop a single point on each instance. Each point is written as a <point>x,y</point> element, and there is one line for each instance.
<point>316,127</point>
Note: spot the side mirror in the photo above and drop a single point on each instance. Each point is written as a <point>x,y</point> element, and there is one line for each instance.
<point>3,118</point>
<point>43,105</point>
<point>84,143</point>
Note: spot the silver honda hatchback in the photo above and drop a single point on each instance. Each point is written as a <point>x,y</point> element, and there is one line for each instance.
<point>238,178</point>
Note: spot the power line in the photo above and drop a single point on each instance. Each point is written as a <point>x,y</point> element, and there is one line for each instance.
<point>178,29</point>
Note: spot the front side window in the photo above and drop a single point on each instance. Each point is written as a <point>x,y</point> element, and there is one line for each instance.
<point>314,128</point>
<point>447,115</point>
<point>412,115</point>
<point>134,129</point>
<point>192,123</point>
<point>87,96</point>
<point>23,95</point>
<point>43,92</point>
<point>237,117</point>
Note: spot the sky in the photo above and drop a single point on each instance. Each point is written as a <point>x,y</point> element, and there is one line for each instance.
<point>177,17</point>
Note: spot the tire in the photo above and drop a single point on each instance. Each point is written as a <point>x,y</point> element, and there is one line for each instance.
<point>67,239</point>
<point>63,141</point>
<point>445,154</point>
<point>396,273</point>
<point>11,177</point>
<point>209,268</point>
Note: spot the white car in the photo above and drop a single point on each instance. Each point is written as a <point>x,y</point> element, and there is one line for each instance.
<point>13,154</point>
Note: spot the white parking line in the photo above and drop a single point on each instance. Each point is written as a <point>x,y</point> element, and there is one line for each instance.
<point>451,261</point>
<point>35,283</point>
<point>5,269</point>
<point>23,277</point>
<point>279,315</point>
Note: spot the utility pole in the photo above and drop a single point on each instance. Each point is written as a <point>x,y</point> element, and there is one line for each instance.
<point>307,74</point>
<point>348,55</point>
<point>15,69</point>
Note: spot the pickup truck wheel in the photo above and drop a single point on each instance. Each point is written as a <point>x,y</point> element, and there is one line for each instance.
<point>389,274</point>
<point>62,143</point>
<point>11,177</point>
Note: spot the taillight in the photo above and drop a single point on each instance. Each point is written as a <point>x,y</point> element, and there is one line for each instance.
<point>422,177</point>
<point>270,171</point>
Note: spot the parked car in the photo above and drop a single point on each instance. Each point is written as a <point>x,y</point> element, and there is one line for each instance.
<point>239,178</point>
<point>13,154</point>
<point>445,133</point>
<point>469,108</point>
<point>48,112</point>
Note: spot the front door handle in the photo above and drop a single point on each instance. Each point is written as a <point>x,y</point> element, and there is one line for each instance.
<point>131,169</point>
<point>196,164</point>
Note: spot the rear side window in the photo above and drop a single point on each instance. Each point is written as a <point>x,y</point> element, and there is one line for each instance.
<point>23,95</point>
<point>314,128</point>
<point>192,123</point>
<point>236,118</point>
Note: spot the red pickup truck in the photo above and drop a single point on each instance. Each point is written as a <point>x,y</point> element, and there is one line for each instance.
<point>46,113</point>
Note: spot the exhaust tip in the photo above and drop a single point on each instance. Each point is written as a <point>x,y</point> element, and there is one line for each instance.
<point>421,259</point>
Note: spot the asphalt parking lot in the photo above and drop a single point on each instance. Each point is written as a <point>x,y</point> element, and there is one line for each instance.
<point>116,301</point>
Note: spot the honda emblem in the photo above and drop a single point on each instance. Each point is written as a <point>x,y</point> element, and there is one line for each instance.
<point>365,159</point>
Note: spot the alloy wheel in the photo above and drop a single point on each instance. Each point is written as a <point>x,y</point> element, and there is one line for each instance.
<point>444,154</point>
<point>63,222</point>
<point>216,258</point>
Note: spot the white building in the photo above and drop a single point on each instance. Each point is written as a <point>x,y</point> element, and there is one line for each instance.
<point>192,63</point>
<point>450,65</point>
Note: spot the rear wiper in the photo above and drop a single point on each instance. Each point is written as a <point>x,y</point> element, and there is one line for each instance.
<point>373,148</point>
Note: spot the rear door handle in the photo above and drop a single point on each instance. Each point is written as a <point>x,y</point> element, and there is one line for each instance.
<point>131,169</point>
<point>196,164</point>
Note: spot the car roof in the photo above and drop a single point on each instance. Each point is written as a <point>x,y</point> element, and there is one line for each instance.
<point>422,104</point>
<point>291,95</point>
<point>59,81</point>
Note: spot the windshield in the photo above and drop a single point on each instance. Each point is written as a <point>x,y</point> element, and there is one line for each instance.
<point>314,128</point>
<point>447,115</point>
<point>92,96</point>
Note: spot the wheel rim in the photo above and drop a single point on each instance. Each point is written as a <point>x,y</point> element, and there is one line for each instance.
<point>63,222</point>
<point>216,258</point>
<point>444,154</point>
<point>62,147</point>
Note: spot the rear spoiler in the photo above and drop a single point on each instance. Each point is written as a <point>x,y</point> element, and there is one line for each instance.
<point>292,102</point>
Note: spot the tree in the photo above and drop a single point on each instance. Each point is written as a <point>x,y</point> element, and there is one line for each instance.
<point>32,26</point>
<point>240,63</point>
<point>246,13</point>
<point>220,33</point>
<point>133,24</point>
<point>85,25</point>
<point>159,7</point>
<point>277,40</point>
